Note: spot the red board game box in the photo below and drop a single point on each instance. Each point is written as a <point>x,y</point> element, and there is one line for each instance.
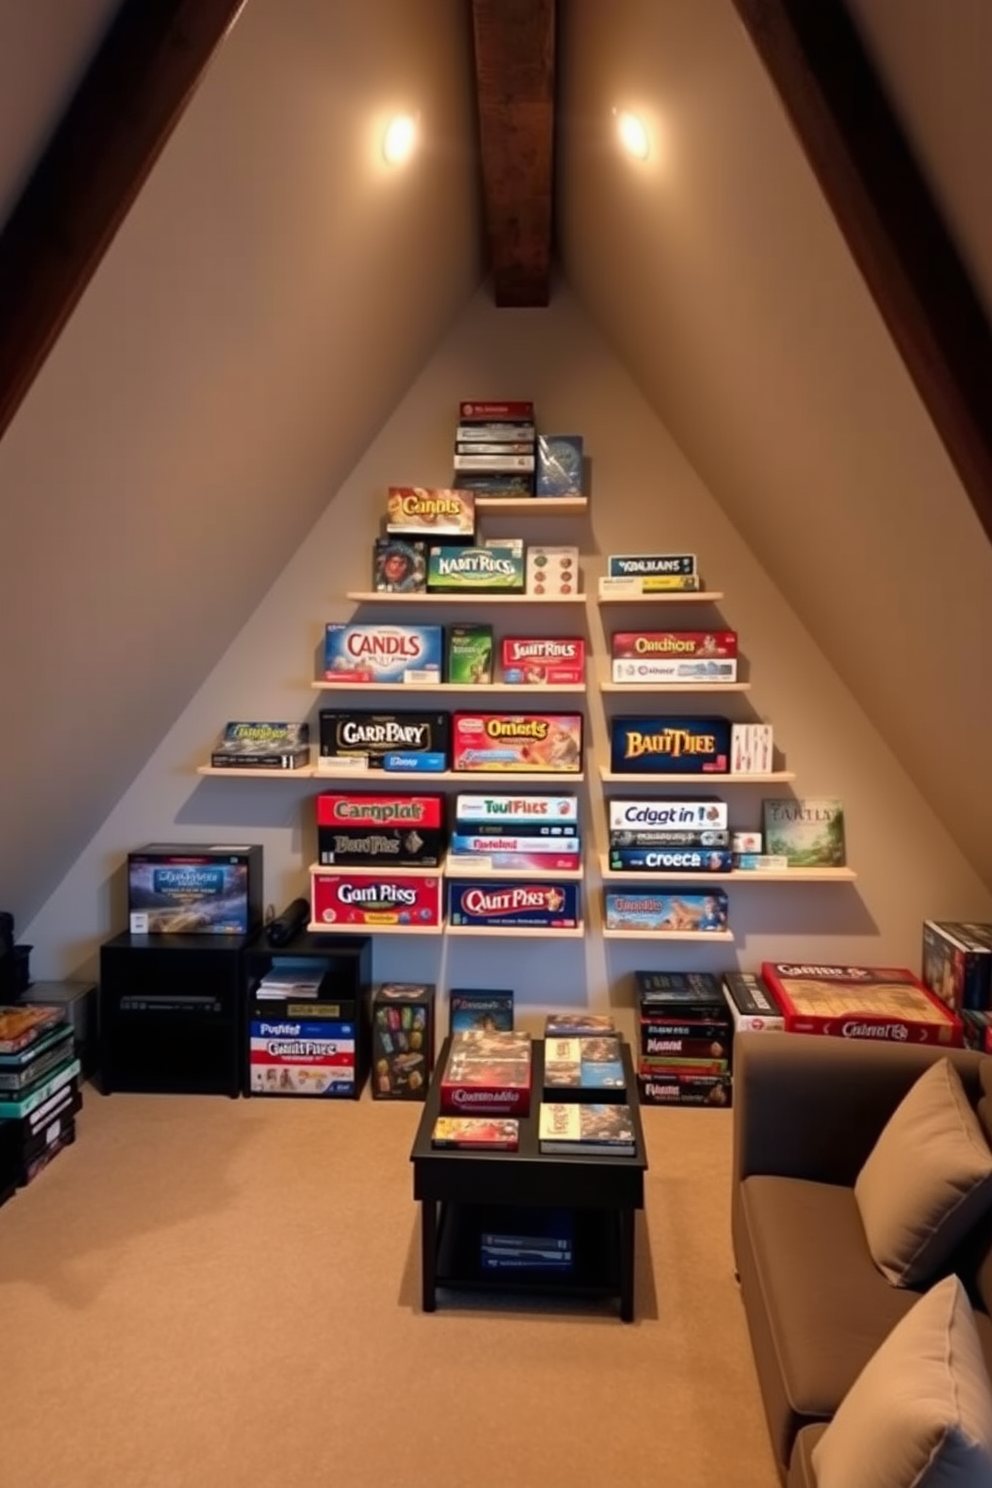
<point>371,900</point>
<point>487,1074</point>
<point>860,1002</point>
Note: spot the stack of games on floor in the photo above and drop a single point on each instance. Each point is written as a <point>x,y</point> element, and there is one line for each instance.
<point>480,1009</point>
<point>501,831</point>
<point>686,1033</point>
<point>860,1002</point>
<point>644,839</point>
<point>487,1074</point>
<point>668,656</point>
<point>39,1088</point>
<point>633,575</point>
<point>402,1040</point>
<point>262,746</point>
<point>530,1239</point>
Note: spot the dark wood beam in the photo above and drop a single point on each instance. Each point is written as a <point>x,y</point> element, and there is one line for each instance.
<point>885,210</point>
<point>133,94</point>
<point>515,83</point>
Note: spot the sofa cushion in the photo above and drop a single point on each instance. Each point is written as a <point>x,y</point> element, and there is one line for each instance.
<point>801,1470</point>
<point>920,1413</point>
<point>824,1305</point>
<point>927,1180</point>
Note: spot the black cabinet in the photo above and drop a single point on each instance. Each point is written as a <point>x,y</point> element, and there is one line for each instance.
<point>171,1014</point>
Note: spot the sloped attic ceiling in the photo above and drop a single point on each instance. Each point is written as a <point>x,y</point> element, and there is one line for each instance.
<point>289,301</point>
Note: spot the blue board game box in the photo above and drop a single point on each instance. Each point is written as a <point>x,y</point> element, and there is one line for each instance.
<point>545,903</point>
<point>188,889</point>
<point>486,1008</point>
<point>675,745</point>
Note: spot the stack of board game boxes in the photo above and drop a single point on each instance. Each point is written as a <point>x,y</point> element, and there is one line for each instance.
<point>584,1110</point>
<point>686,1032</point>
<point>39,1090</point>
<point>308,1032</point>
<point>386,832</point>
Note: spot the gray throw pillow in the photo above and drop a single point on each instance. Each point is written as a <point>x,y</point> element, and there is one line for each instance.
<point>927,1180</point>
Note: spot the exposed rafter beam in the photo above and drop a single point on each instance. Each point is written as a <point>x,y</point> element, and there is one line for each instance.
<point>515,83</point>
<point>893,227</point>
<point>129,101</point>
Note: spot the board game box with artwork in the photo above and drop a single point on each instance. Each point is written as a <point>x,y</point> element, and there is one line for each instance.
<point>860,1002</point>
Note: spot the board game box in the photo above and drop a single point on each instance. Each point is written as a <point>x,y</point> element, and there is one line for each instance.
<point>475,570</point>
<point>356,654</point>
<point>751,751</point>
<point>548,815</point>
<point>860,1002</point>
<point>751,1005</point>
<point>683,746</point>
<point>670,860</point>
<point>586,1129</point>
<point>559,464</point>
<point>807,833</point>
<point>292,1057</point>
<point>402,1040</point>
<point>522,743</point>
<point>187,888</point>
<point>681,990</point>
<point>486,1008</point>
<point>542,903</point>
<point>487,1074</point>
<point>680,911</point>
<point>552,571</point>
<point>406,831</point>
<point>477,1133</point>
<point>584,1068</point>
<point>660,815</point>
<point>366,740</point>
<point>957,962</point>
<point>364,901</point>
<point>674,656</point>
<point>262,746</point>
<point>430,512</point>
<point>685,1090</point>
<point>469,654</point>
<point>399,565</point>
<point>649,565</point>
<point>21,1026</point>
<point>578,1025</point>
<point>536,660</point>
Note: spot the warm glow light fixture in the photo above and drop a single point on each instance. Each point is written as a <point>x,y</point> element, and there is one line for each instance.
<point>399,139</point>
<point>633,135</point>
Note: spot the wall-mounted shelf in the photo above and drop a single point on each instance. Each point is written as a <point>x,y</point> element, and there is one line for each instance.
<point>530,506</point>
<point>521,932</point>
<point>315,928</point>
<point>465,869</point>
<point>373,596</point>
<point>736,875</point>
<point>708,935</point>
<point>383,779</point>
<point>304,772</point>
<point>704,782</point>
<point>678,596</point>
<point>497,689</point>
<point>368,870</point>
<point>662,689</point>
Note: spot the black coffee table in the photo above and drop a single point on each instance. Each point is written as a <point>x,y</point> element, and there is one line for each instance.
<point>459,1191</point>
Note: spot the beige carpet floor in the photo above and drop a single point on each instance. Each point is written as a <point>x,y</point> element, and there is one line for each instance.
<point>226,1294</point>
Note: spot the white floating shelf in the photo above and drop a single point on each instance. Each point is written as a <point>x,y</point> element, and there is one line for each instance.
<point>704,782</point>
<point>531,506</point>
<point>708,935</point>
<point>426,778</point>
<point>464,869</point>
<point>521,932</point>
<point>452,689</point>
<point>676,596</point>
<point>736,875</point>
<point>664,688</point>
<point>369,870</point>
<point>315,928</point>
<point>373,596</point>
<point>304,772</point>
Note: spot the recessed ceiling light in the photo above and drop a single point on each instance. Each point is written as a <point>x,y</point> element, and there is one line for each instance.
<point>633,135</point>
<point>399,139</point>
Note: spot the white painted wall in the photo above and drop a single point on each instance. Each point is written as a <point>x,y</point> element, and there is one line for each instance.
<point>644,496</point>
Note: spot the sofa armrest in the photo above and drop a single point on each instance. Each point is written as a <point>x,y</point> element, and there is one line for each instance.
<point>810,1106</point>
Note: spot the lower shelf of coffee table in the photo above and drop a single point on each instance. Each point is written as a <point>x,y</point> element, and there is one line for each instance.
<point>595,1268</point>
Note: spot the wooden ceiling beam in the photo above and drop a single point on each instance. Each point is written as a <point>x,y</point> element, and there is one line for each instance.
<point>514,53</point>
<point>884,208</point>
<point>130,99</point>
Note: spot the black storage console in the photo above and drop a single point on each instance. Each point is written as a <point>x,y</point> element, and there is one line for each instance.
<point>171,1014</point>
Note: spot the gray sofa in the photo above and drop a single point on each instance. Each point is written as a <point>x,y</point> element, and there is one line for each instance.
<point>807,1113</point>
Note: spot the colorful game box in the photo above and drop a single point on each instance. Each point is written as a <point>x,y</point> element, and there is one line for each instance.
<point>430,512</point>
<point>469,659</point>
<point>751,1005</point>
<point>685,1090</point>
<point>487,1073</point>
<point>402,1040</point>
<point>476,570</point>
<point>678,746</point>
<point>354,654</point>
<point>289,1057</point>
<point>552,572</point>
<point>957,962</point>
<point>671,860</point>
<point>559,465</point>
<point>546,815</point>
<point>344,900</point>
<point>751,751</point>
<point>634,586</point>
<point>541,903</point>
<point>482,1008</point>
<point>808,833</point>
<point>365,740</point>
<point>681,911</point>
<point>406,831</point>
<point>659,815</point>
<point>534,661</point>
<point>399,566</point>
<point>189,889</point>
<point>535,743</point>
<point>262,746</point>
<point>860,1002</point>
<point>674,656</point>
<point>649,565</point>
